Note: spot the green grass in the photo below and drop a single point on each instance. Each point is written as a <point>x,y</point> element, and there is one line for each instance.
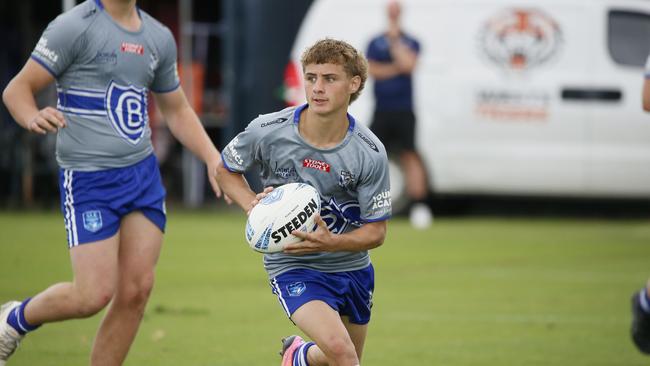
<point>466,292</point>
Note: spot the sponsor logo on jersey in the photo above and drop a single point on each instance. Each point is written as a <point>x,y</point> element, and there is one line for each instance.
<point>520,39</point>
<point>127,110</point>
<point>43,50</point>
<point>346,180</point>
<point>381,201</point>
<point>295,222</point>
<point>134,48</point>
<point>92,220</point>
<point>296,288</point>
<point>274,122</point>
<point>233,153</point>
<point>285,173</point>
<point>105,58</point>
<point>368,141</point>
<point>316,164</point>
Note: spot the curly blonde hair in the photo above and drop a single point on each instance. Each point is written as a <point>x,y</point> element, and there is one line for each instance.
<point>332,51</point>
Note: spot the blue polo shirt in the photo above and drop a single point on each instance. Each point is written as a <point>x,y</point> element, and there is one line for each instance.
<point>393,94</point>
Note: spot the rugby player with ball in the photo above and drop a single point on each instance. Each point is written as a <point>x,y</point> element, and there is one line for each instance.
<point>324,282</point>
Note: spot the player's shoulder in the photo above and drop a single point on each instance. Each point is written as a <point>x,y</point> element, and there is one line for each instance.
<point>77,19</point>
<point>274,121</point>
<point>368,142</point>
<point>155,26</point>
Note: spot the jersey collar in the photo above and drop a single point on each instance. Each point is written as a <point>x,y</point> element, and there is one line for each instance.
<point>296,116</point>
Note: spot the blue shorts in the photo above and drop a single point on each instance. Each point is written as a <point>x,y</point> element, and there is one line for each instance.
<point>93,203</point>
<point>348,293</point>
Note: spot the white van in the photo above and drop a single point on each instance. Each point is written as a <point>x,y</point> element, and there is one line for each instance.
<point>514,97</point>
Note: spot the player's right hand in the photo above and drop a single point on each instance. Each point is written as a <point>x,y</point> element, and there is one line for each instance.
<point>46,120</point>
<point>260,196</point>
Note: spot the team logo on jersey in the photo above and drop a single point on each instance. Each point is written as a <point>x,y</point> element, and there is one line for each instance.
<point>127,110</point>
<point>520,39</point>
<point>92,220</point>
<point>316,164</point>
<point>296,288</point>
<point>340,217</point>
<point>134,48</point>
<point>346,180</point>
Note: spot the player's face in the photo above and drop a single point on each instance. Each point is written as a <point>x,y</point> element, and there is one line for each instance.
<point>328,87</point>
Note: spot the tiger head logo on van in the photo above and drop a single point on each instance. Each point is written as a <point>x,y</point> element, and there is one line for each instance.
<point>520,39</point>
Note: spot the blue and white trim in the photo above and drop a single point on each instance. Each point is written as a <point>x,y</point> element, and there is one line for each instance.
<point>278,292</point>
<point>69,214</point>
<point>84,102</point>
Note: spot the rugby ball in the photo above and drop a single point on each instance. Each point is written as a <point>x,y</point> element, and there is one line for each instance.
<point>286,208</point>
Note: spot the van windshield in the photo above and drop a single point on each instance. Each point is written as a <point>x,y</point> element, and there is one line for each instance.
<point>627,37</point>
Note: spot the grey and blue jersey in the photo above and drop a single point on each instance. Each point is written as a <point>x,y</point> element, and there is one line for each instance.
<point>352,179</point>
<point>103,73</point>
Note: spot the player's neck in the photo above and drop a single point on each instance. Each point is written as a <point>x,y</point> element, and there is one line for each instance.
<point>323,131</point>
<point>124,13</point>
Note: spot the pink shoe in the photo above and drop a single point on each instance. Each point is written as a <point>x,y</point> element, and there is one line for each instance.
<point>289,346</point>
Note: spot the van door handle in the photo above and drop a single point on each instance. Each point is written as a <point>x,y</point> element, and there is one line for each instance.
<point>585,94</point>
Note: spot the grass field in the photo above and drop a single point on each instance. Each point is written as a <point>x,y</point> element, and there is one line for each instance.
<point>470,291</point>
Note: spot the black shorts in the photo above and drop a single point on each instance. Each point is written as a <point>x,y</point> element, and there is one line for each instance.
<point>395,129</point>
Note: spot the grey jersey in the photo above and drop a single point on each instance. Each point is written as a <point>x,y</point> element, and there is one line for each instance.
<point>103,74</point>
<point>352,179</point>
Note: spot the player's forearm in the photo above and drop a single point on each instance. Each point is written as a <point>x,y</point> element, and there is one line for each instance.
<point>187,128</point>
<point>368,236</point>
<point>235,186</point>
<point>382,70</point>
<point>19,100</point>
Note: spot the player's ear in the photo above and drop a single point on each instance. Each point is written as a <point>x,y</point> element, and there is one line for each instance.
<point>355,82</point>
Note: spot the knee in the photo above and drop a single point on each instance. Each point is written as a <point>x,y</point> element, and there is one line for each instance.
<point>341,350</point>
<point>135,293</point>
<point>90,304</point>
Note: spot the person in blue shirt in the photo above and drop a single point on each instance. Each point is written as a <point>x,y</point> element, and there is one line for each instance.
<point>392,57</point>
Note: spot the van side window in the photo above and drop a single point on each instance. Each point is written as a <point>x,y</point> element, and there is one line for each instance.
<point>628,37</point>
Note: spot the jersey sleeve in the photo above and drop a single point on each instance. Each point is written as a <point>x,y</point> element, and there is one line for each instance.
<point>244,150</point>
<point>166,76</point>
<point>646,72</point>
<point>374,191</point>
<point>58,46</point>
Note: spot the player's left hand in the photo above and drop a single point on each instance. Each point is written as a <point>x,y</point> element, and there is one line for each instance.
<point>320,240</point>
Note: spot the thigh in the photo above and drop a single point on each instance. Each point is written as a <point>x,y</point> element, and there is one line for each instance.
<point>140,245</point>
<point>95,267</point>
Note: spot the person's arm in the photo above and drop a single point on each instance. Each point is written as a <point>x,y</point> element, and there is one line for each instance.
<point>382,70</point>
<point>185,125</point>
<point>19,99</point>
<point>404,57</point>
<point>235,187</point>
<point>368,236</point>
